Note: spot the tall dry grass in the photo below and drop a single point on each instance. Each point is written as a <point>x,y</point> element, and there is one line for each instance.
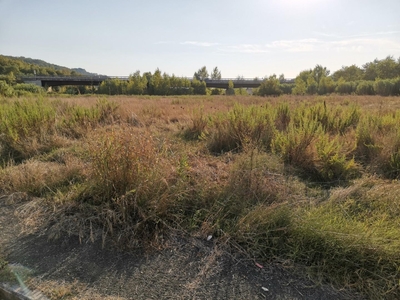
<point>312,181</point>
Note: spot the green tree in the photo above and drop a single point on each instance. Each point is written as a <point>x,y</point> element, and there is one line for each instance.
<point>351,73</point>
<point>312,85</point>
<point>345,87</point>
<point>300,87</point>
<point>201,74</point>
<point>216,74</point>
<point>326,86</point>
<point>231,88</point>
<point>199,87</point>
<point>386,68</point>
<point>137,84</point>
<point>179,86</point>
<point>270,87</point>
<point>113,87</point>
<point>217,92</point>
<point>365,87</point>
<point>319,72</point>
<point>155,83</point>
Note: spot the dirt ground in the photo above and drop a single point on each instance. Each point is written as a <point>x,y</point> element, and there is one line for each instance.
<point>186,268</point>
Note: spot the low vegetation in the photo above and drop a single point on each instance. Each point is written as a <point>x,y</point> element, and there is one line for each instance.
<point>379,77</point>
<point>309,180</point>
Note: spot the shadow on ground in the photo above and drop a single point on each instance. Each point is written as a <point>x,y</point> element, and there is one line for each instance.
<point>187,268</point>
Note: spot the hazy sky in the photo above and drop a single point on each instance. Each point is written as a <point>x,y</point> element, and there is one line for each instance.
<point>249,38</point>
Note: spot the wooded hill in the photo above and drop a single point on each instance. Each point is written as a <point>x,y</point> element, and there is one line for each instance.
<point>23,66</point>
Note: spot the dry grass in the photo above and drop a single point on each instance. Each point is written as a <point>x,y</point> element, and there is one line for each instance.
<point>288,178</point>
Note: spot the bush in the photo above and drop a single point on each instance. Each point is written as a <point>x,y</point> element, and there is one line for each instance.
<point>332,163</point>
<point>5,89</point>
<point>384,87</point>
<point>31,88</point>
<point>365,88</point>
<point>270,87</point>
<point>27,128</point>
<point>241,126</point>
<point>346,87</point>
<point>286,88</point>
<point>294,145</point>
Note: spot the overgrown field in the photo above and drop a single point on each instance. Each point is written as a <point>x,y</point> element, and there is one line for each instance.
<point>309,181</point>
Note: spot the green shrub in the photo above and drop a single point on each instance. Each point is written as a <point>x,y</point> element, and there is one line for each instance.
<point>27,128</point>
<point>287,88</point>
<point>345,87</point>
<point>295,145</point>
<point>384,87</point>
<point>241,126</point>
<point>283,117</point>
<point>335,119</point>
<point>5,89</point>
<point>28,87</point>
<point>332,163</point>
<point>365,88</point>
<point>270,87</point>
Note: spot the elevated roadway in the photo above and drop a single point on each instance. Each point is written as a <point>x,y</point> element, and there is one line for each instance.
<point>97,80</point>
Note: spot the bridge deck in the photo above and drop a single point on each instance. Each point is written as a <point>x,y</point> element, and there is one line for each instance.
<point>97,80</point>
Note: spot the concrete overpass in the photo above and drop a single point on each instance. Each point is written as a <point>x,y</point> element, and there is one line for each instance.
<point>64,80</point>
<point>96,80</point>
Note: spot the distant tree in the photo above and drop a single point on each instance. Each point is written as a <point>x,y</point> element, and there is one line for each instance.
<point>216,74</point>
<point>365,87</point>
<point>326,86</point>
<point>351,73</point>
<point>240,77</point>
<point>287,88</point>
<point>345,87</point>
<point>387,68</point>
<point>113,87</point>
<point>312,85</point>
<point>137,84</point>
<point>201,74</point>
<point>282,78</point>
<point>319,72</point>
<point>371,70</point>
<point>300,87</point>
<point>217,91</point>
<point>303,75</point>
<point>270,87</point>
<point>241,92</point>
<point>179,86</point>
<point>231,88</point>
<point>155,83</point>
<point>199,87</point>
<point>385,87</point>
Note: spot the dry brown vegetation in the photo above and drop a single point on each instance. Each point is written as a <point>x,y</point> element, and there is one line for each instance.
<point>308,180</point>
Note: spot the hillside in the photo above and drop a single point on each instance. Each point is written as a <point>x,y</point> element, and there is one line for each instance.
<point>23,66</point>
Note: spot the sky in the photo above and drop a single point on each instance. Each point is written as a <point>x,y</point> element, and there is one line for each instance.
<point>251,38</point>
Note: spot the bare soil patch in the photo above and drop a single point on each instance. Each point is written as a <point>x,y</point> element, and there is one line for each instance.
<point>186,268</point>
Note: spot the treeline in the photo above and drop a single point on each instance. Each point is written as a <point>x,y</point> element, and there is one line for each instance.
<point>380,77</point>
<point>157,83</point>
